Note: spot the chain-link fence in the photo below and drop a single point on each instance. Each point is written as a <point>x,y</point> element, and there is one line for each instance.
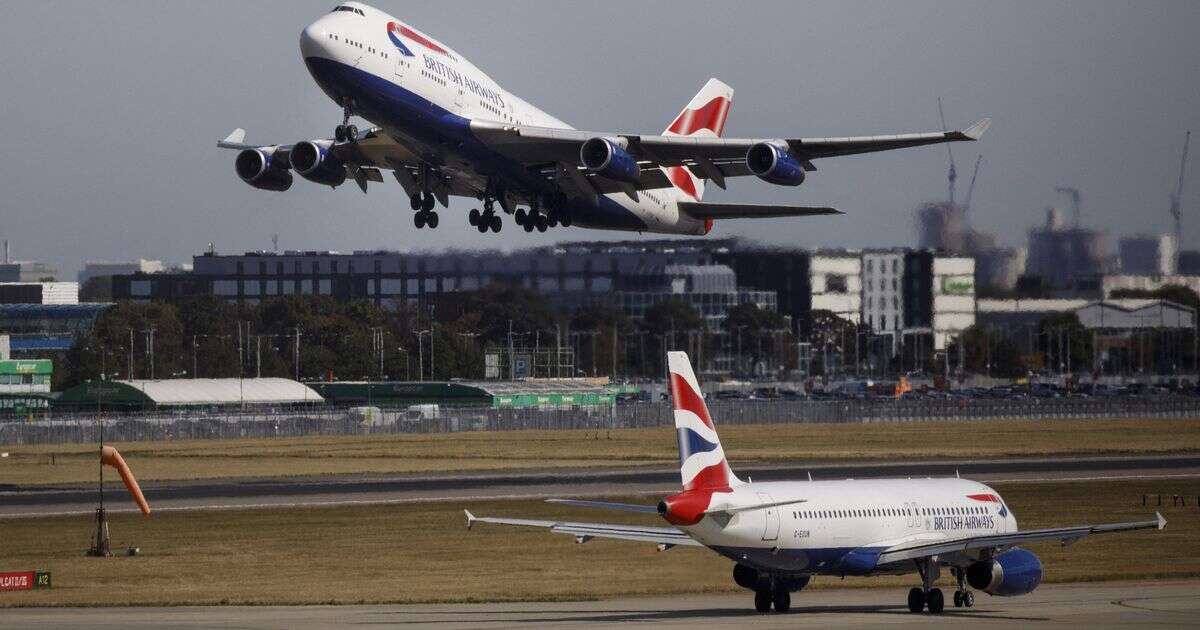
<point>198,425</point>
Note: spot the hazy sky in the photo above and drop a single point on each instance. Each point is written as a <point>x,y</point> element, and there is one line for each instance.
<point>110,112</point>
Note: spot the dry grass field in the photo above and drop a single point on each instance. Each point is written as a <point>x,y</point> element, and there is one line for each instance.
<point>423,553</point>
<point>529,450</point>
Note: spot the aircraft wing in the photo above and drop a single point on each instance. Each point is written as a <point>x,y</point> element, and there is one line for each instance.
<point>707,157</point>
<point>1067,535</point>
<point>663,536</point>
<point>701,210</point>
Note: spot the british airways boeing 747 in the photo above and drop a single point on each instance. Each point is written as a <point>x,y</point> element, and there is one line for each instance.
<point>444,128</point>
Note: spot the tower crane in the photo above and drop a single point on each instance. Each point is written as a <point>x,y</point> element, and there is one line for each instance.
<point>952,175</point>
<point>971,188</point>
<point>1177,194</point>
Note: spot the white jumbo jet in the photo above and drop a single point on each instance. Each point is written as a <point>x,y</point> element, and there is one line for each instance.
<point>444,128</point>
<point>780,534</point>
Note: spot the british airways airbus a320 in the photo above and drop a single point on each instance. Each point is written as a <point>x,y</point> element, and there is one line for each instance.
<point>782,533</point>
<point>444,128</point>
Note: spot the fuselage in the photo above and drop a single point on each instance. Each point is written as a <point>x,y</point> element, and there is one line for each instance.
<point>839,526</point>
<point>426,95</point>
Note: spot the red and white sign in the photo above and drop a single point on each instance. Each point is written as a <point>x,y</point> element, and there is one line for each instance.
<point>16,581</point>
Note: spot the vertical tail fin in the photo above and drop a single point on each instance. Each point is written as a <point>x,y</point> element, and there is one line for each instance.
<point>702,461</point>
<point>704,116</point>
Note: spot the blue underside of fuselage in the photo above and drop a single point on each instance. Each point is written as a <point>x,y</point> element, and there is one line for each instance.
<point>817,561</point>
<point>391,106</point>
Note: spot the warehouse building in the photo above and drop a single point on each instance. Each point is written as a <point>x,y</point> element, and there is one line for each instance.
<point>203,393</point>
<point>542,393</point>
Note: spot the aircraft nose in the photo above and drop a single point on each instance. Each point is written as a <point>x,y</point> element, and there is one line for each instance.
<point>313,40</point>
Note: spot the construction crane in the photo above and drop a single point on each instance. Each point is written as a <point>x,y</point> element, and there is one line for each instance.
<point>953,175</point>
<point>971,188</point>
<point>1076,199</point>
<point>1177,195</point>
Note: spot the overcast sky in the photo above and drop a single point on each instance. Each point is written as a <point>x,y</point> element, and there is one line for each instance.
<point>111,110</point>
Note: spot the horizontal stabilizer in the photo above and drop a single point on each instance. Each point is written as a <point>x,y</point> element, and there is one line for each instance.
<point>703,210</point>
<point>604,505</point>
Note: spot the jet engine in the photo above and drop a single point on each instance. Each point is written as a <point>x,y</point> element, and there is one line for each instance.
<point>1014,572</point>
<point>773,163</point>
<point>313,161</point>
<point>755,580</point>
<point>261,169</point>
<point>607,157</point>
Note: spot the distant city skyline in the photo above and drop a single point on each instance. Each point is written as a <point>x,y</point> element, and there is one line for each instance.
<point>111,129</point>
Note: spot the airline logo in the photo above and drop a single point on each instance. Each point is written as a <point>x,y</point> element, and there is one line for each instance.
<point>990,498</point>
<point>704,116</point>
<point>701,458</point>
<point>397,30</point>
<point>710,117</point>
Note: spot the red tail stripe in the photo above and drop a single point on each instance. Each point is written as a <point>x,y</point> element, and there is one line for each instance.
<point>422,40</point>
<point>712,117</point>
<point>684,397</point>
<point>683,181</point>
<point>991,498</point>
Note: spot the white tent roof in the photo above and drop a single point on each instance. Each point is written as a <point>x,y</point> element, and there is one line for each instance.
<point>225,391</point>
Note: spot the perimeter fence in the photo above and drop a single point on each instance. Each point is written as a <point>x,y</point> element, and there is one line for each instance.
<point>328,421</point>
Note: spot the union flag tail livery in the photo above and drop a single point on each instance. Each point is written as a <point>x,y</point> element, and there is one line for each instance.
<point>702,462</point>
<point>704,117</point>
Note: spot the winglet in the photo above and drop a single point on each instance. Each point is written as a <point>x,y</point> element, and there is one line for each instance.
<point>1162,522</point>
<point>976,131</point>
<point>470,518</point>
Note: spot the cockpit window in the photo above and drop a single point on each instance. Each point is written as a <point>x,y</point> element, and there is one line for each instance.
<point>350,9</point>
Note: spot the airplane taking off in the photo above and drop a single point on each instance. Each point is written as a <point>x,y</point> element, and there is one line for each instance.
<point>780,534</point>
<point>445,129</point>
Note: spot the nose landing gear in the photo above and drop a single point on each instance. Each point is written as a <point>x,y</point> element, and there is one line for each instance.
<point>346,132</point>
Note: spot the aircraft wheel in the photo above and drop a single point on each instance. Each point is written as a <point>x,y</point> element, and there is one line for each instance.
<point>339,133</point>
<point>351,133</point>
<point>432,219</point>
<point>958,602</point>
<point>935,600</point>
<point>782,600</point>
<point>916,600</point>
<point>521,216</point>
<point>541,222</point>
<point>762,601</point>
<point>565,219</point>
<point>527,226</point>
<point>496,223</point>
<point>427,202</point>
<point>415,202</point>
<point>473,217</point>
<point>419,220</point>
<point>968,599</point>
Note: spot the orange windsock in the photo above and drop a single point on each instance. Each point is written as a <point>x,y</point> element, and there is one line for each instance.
<point>109,456</point>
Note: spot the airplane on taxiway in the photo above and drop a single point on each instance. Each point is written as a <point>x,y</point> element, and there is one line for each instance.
<point>444,128</point>
<point>781,534</point>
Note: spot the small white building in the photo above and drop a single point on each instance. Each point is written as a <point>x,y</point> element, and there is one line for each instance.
<point>836,281</point>
<point>1148,255</point>
<point>39,292</point>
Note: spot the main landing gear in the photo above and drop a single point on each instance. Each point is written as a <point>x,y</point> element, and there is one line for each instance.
<point>926,596</point>
<point>962,597</point>
<point>486,220</point>
<point>779,597</point>
<point>535,219</point>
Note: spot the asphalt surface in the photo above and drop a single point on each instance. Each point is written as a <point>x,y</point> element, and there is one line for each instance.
<point>1091,605</point>
<point>276,492</point>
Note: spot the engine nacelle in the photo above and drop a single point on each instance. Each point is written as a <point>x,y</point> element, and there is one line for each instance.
<point>773,163</point>
<point>608,158</point>
<point>1014,572</point>
<point>260,169</point>
<point>314,162</point>
<point>755,580</point>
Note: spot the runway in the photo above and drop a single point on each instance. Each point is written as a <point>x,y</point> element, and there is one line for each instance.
<point>1093,605</point>
<point>34,501</point>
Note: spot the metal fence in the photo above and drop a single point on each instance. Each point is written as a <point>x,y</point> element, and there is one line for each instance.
<point>85,428</point>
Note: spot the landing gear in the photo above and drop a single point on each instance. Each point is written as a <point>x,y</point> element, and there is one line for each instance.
<point>962,597</point>
<point>927,597</point>
<point>425,217</point>
<point>346,132</point>
<point>782,600</point>
<point>762,600</point>
<point>484,221</point>
<point>415,202</point>
<point>427,201</point>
